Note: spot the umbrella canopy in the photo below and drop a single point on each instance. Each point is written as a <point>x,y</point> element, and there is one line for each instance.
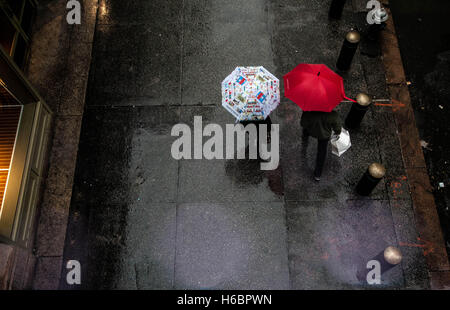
<point>250,93</point>
<point>314,87</point>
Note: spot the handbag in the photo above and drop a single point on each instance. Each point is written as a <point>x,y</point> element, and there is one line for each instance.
<point>341,143</point>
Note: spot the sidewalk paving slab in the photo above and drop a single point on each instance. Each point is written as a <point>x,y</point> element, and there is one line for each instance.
<point>133,65</point>
<point>138,12</point>
<point>331,242</point>
<point>148,259</point>
<point>231,246</point>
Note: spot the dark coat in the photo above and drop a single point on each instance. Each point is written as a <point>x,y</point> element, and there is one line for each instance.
<point>320,124</point>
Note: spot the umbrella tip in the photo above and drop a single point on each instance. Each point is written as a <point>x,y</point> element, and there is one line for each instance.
<point>318,73</point>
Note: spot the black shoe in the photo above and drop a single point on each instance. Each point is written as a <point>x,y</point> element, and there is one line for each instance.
<point>317,179</point>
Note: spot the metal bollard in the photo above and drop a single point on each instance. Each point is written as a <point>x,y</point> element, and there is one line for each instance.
<point>392,255</point>
<point>379,17</point>
<point>348,50</point>
<point>358,110</point>
<point>370,179</point>
<point>388,259</point>
<point>336,8</point>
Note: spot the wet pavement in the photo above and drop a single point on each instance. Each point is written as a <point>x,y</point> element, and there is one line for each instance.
<point>141,220</point>
<point>427,65</point>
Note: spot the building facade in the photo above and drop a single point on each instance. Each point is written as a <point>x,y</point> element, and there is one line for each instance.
<point>25,123</point>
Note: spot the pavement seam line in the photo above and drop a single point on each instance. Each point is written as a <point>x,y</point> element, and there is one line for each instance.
<point>179,162</point>
<point>270,28</point>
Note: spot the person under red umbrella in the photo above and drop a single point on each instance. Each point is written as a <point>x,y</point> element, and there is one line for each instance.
<point>320,126</point>
<point>317,90</point>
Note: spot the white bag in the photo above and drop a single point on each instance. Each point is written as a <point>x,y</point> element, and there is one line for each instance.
<point>341,144</point>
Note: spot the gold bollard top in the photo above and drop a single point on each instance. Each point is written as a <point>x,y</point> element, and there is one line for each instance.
<point>363,99</point>
<point>377,170</point>
<point>353,36</point>
<point>392,255</point>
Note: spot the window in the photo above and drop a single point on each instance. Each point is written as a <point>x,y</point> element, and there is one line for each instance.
<point>27,18</point>
<point>7,34</point>
<point>16,19</point>
<point>24,134</point>
<point>20,52</point>
<point>15,6</point>
<point>9,121</point>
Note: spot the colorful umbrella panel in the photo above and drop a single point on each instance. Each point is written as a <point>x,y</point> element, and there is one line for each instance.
<point>250,93</point>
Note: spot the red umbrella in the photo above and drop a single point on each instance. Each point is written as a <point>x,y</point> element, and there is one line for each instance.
<point>314,87</point>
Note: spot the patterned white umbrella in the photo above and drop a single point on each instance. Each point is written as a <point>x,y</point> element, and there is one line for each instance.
<point>250,93</point>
